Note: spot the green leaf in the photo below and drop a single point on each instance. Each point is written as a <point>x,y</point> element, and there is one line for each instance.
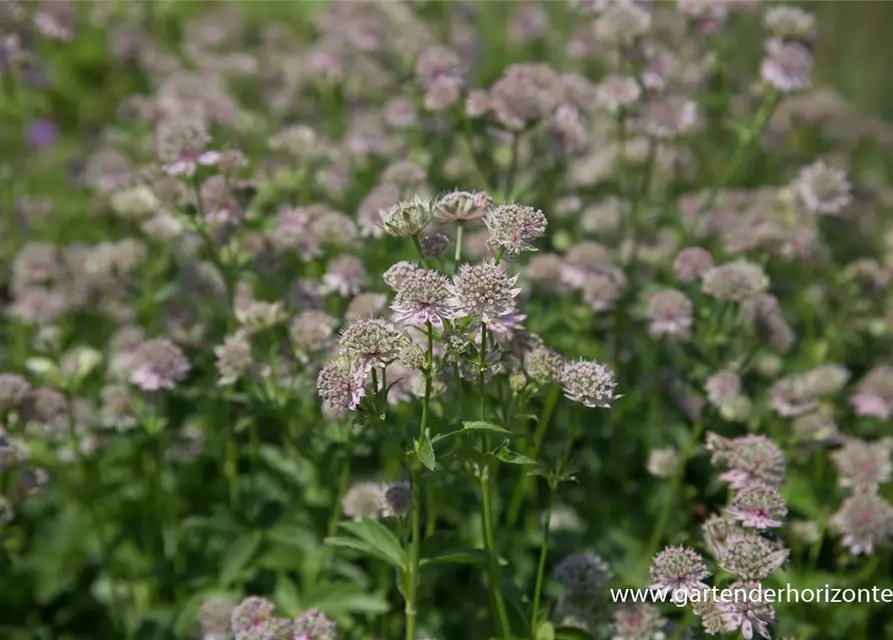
<point>380,539</point>
<point>513,457</point>
<point>480,425</point>
<point>459,556</point>
<point>343,597</point>
<point>425,450</point>
<point>545,632</point>
<point>286,596</point>
<point>238,556</point>
<point>186,618</point>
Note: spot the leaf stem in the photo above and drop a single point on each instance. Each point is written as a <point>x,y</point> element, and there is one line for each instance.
<point>541,568</point>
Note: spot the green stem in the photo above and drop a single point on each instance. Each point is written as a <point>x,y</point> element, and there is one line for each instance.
<point>412,587</point>
<point>640,201</point>
<point>676,483</point>
<point>503,627</point>
<point>541,568</point>
<point>522,488</point>
<point>513,167</point>
<point>214,255</point>
<point>460,231</point>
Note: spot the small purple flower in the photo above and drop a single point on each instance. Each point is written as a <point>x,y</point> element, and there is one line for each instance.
<point>43,133</point>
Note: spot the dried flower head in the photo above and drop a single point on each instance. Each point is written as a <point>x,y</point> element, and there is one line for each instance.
<point>734,281</point>
<point>484,290</point>
<point>865,520</point>
<point>670,314</point>
<point>340,385</point>
<point>434,244</point>
<point>513,227</point>
<point>759,506</point>
<point>678,569</point>
<point>407,218</point>
<point>397,499</point>
<point>589,383</point>
<point>582,574</point>
<point>864,465</point>
<point>158,364</point>
<point>823,188</point>
<point>423,297</point>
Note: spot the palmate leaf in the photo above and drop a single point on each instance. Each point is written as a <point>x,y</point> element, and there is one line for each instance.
<point>373,538</point>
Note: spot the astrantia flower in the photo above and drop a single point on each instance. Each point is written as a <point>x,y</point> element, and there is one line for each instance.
<point>589,383</point>
<point>345,276</point>
<point>663,463</point>
<point>752,460</point>
<point>670,314</point>
<point>398,272</point>
<point>789,22</point>
<point>408,218</point>
<point>181,146</point>
<point>865,520</point>
<point>692,263</point>
<point>462,206</point>
<point>13,389</point>
<point>233,358</point>
<point>874,393</point>
<point>311,330</point>
<point>823,188</point>
<point>735,281</point>
<point>669,117</point>
<point>616,92</point>
<point>363,500</point>
<point>722,387</point>
<point>259,316</point>
<point>787,66</point>
<point>582,574</point>
<point>340,385</point>
<point>640,621</point>
<point>422,298</point>
<point>250,614</point>
<point>313,625</point>
<point>484,290</point>
<point>759,506</point>
<point>753,557</point>
<point>863,465</point>
<point>513,226</point>
<point>792,396</point>
<point>158,364</point>
<point>214,618</point>
<point>373,342</point>
<point>622,23</point>
<point>678,568</point>
<point>749,610</point>
<point>720,533</point>
<point>543,364</point>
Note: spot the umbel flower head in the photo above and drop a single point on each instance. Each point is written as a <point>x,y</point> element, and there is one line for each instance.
<point>484,290</point>
<point>364,500</point>
<point>678,569</point>
<point>752,460</point>
<point>759,506</point>
<point>340,385</point>
<point>823,189</point>
<point>670,312</point>
<point>423,297</point>
<point>735,281</point>
<point>408,218</point>
<point>753,557</point>
<point>748,610</point>
<point>588,382</point>
<point>462,206</point>
<point>513,226</point>
<point>373,342</point>
<point>313,625</point>
<point>864,465</point>
<point>158,364</point>
<point>13,389</point>
<point>582,574</point>
<point>398,272</point>
<point>865,520</point>
<point>250,614</point>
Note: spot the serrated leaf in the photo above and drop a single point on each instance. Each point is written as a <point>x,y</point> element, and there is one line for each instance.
<point>238,557</point>
<point>513,457</point>
<point>425,451</point>
<point>381,539</point>
<point>480,425</point>
<point>457,556</point>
